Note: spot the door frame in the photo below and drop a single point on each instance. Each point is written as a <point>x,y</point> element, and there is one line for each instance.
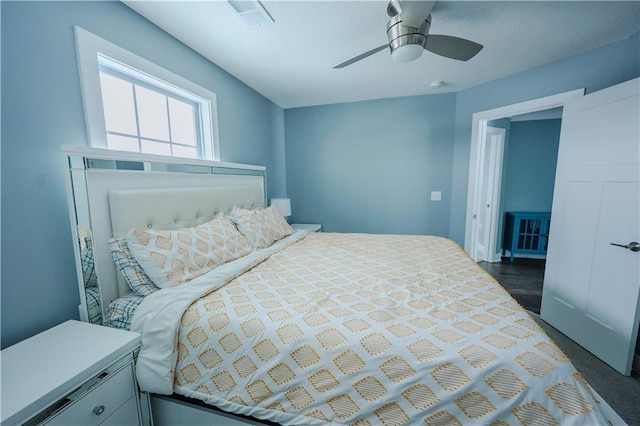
<point>478,141</point>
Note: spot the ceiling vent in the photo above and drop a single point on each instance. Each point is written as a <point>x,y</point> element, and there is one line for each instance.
<point>251,12</point>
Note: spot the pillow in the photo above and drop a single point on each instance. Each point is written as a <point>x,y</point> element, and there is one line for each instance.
<point>120,312</point>
<point>261,227</point>
<point>88,264</point>
<point>134,275</point>
<point>172,258</point>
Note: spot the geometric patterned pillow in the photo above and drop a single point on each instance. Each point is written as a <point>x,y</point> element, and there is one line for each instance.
<point>172,258</point>
<point>261,227</point>
<point>134,275</point>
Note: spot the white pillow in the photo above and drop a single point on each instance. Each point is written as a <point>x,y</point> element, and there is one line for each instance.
<point>172,258</point>
<point>261,227</point>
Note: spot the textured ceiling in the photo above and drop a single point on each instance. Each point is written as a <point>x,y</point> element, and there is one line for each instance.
<point>290,60</point>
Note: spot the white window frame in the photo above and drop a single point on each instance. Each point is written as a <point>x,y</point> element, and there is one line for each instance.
<point>89,47</point>
<point>137,79</point>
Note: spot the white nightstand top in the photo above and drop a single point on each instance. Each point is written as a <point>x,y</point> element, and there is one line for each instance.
<point>313,227</point>
<point>41,369</point>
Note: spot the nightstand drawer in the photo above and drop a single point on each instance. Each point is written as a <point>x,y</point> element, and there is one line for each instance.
<point>101,401</point>
<point>126,415</point>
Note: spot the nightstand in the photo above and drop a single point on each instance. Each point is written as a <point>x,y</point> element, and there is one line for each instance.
<point>74,373</point>
<point>313,227</point>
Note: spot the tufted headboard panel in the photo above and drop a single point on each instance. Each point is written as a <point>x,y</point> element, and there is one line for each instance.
<point>175,208</point>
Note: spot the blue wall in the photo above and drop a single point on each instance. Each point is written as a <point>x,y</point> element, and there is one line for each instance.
<point>371,166</point>
<point>358,167</point>
<point>531,165</point>
<point>42,110</point>
<point>593,70</point>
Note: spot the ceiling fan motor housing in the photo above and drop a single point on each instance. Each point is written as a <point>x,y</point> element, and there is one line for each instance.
<point>402,35</point>
<point>408,34</point>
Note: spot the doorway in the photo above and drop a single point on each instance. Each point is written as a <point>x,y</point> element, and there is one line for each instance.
<point>480,173</point>
<point>524,182</point>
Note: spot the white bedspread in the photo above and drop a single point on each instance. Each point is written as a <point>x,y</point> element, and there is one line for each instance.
<point>358,329</point>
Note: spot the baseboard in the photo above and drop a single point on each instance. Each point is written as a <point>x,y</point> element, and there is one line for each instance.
<point>524,256</point>
<point>497,257</point>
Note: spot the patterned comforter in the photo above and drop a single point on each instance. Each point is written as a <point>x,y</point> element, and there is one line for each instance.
<point>358,329</point>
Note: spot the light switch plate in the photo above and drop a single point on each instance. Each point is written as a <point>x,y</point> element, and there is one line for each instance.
<point>436,195</point>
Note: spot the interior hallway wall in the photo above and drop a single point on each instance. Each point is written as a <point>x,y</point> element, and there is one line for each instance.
<point>531,165</point>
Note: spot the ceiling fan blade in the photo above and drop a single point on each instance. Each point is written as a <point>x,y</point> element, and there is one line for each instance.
<point>452,47</point>
<point>361,56</point>
<point>414,12</point>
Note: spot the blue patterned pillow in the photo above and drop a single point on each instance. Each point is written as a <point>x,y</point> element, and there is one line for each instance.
<point>88,264</point>
<point>120,312</point>
<point>133,273</point>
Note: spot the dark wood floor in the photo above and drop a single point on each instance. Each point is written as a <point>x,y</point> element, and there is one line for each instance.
<point>522,279</point>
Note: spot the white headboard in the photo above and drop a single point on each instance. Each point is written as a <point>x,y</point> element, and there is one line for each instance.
<point>111,193</point>
<point>175,208</point>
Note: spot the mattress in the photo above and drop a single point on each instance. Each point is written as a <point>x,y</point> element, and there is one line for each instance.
<point>358,329</point>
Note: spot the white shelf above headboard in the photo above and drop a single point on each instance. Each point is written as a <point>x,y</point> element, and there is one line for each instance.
<point>108,154</point>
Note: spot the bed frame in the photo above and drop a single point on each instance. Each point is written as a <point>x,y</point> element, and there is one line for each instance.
<point>112,192</point>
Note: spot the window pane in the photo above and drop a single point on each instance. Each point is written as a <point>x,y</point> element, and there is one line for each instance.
<point>122,143</point>
<point>182,122</point>
<point>184,151</point>
<point>152,114</point>
<point>153,147</point>
<point>117,101</point>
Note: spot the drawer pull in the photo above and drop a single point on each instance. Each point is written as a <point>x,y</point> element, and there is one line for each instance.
<point>98,410</point>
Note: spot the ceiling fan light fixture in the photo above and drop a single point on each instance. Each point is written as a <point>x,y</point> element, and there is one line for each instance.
<point>407,52</point>
<point>406,43</point>
<point>408,35</point>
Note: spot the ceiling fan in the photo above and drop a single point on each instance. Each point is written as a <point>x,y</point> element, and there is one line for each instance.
<point>408,32</point>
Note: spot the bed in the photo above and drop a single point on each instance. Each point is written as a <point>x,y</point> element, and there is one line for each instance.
<point>326,328</point>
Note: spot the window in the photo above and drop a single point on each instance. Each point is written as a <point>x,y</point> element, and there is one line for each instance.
<point>140,116</point>
<point>134,105</point>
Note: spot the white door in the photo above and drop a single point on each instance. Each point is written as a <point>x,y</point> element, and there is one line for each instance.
<point>489,197</point>
<point>591,288</point>
<point>481,229</point>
